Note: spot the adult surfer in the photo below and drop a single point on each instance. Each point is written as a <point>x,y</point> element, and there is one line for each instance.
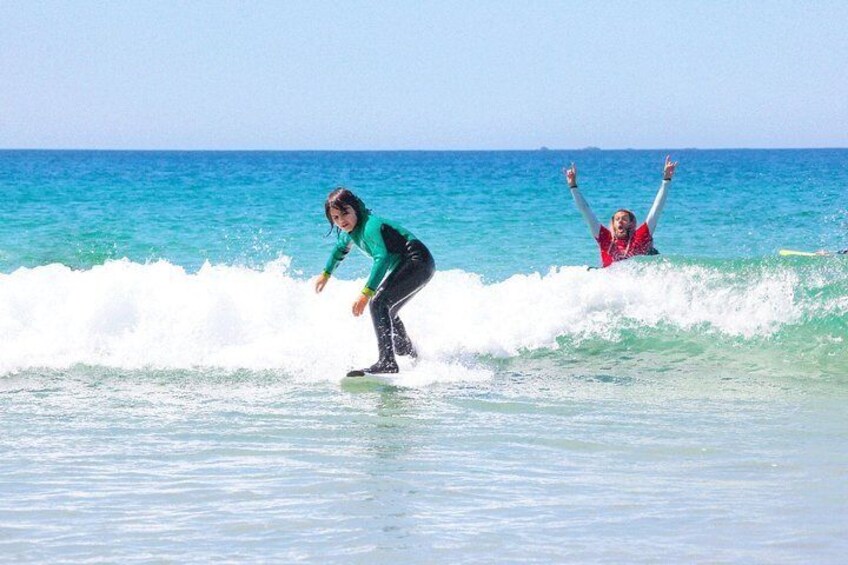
<point>623,239</point>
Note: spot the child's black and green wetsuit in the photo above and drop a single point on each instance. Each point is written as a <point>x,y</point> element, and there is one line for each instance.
<point>402,266</point>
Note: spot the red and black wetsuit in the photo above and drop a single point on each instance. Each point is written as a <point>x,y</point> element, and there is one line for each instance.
<point>613,249</point>
<point>641,242</point>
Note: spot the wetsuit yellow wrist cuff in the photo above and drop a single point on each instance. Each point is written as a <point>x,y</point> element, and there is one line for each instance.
<point>367,292</point>
<point>326,274</point>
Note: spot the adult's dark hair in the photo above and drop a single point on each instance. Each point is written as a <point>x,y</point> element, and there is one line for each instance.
<point>339,199</point>
<point>626,211</point>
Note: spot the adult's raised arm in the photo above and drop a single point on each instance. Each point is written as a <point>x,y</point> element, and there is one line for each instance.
<point>659,201</point>
<point>589,216</point>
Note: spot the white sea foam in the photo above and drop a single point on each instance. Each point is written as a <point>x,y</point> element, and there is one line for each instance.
<point>130,315</point>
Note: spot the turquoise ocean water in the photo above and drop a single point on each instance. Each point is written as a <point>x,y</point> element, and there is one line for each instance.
<point>170,384</point>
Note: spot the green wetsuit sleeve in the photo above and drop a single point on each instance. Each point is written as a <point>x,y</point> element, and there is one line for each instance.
<point>379,253</point>
<point>340,251</point>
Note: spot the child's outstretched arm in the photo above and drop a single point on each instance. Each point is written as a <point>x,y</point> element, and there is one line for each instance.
<point>340,251</point>
<point>321,282</point>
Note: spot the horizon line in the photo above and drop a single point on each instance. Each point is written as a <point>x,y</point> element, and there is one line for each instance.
<point>541,149</point>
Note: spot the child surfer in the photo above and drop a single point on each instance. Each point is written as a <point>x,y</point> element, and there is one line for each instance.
<point>402,266</point>
<point>622,239</point>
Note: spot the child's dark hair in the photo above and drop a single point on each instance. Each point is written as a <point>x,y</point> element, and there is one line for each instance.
<point>339,199</point>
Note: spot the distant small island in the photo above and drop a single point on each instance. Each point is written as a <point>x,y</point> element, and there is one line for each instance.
<point>589,148</point>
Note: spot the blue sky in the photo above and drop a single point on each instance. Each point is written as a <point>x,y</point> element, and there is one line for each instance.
<point>422,75</point>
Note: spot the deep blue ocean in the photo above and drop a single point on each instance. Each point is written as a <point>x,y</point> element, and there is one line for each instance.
<point>171,386</point>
